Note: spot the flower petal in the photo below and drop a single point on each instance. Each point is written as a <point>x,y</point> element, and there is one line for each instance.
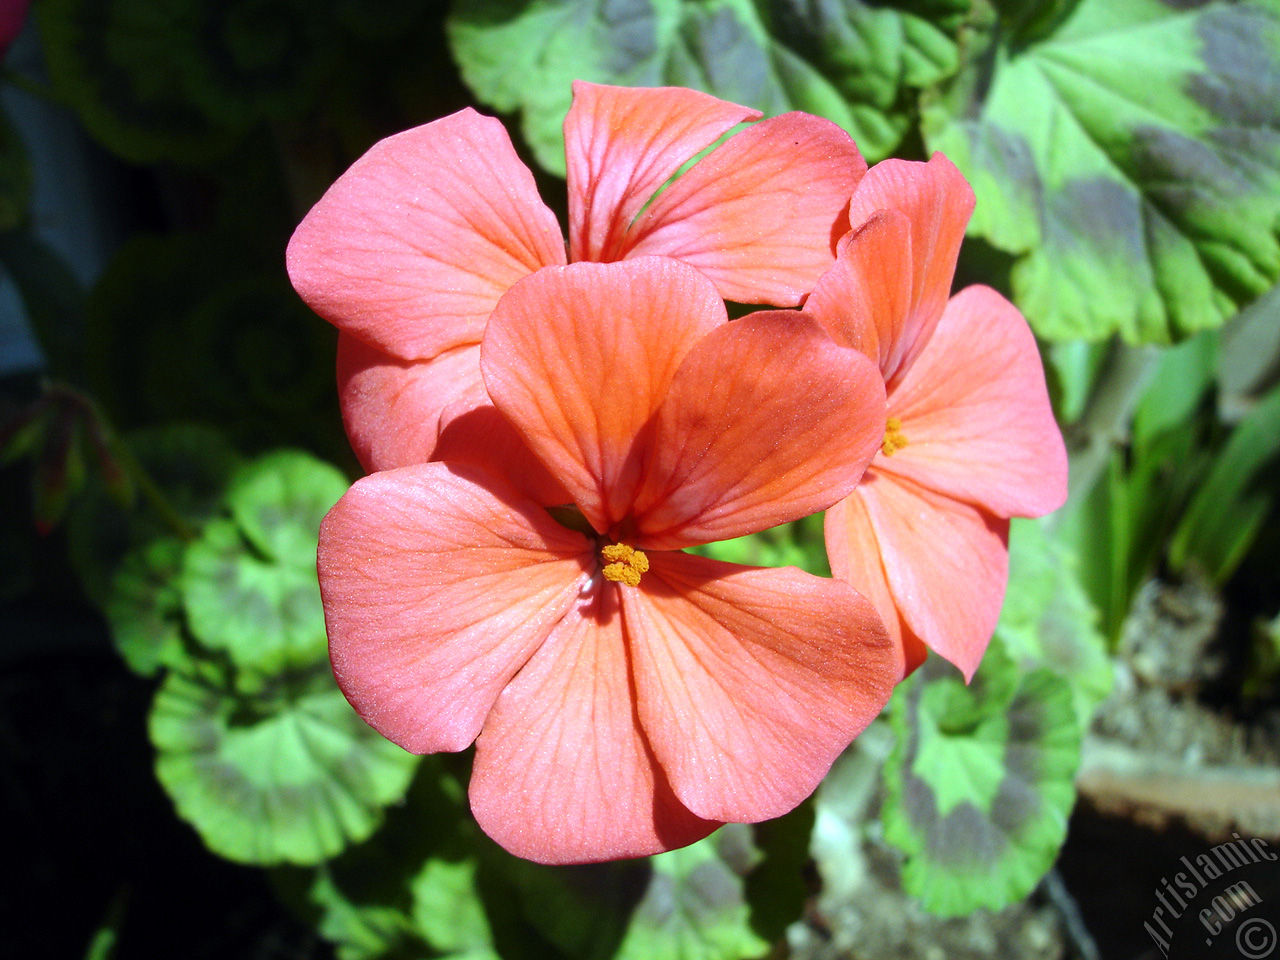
<point>947,563</point>
<point>938,201</point>
<point>436,591</point>
<point>392,408</point>
<point>562,772</point>
<point>580,357</point>
<point>865,298</point>
<point>854,554</point>
<point>412,246</point>
<point>482,436</point>
<point>621,145</point>
<point>975,412</point>
<point>768,420</point>
<point>750,682</point>
<point>761,214</point>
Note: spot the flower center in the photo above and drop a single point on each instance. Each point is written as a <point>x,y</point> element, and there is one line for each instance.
<point>894,439</point>
<point>623,564</point>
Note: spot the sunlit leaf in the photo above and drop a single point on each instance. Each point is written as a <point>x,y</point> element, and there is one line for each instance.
<point>694,907</point>
<point>856,63</point>
<point>266,615</point>
<point>1047,619</point>
<point>979,785</point>
<point>288,775</point>
<point>280,499</point>
<point>145,607</point>
<point>1228,510</point>
<point>797,544</point>
<point>1131,156</point>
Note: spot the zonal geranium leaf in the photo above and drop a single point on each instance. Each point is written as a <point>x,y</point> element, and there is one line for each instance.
<point>145,607</point>
<point>853,62</point>
<point>279,501</point>
<point>289,774</point>
<point>979,785</point>
<point>695,907</point>
<point>1047,619</point>
<point>266,615</point>
<point>1131,158</point>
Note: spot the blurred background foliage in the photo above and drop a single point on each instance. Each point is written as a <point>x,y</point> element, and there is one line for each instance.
<point>170,439</point>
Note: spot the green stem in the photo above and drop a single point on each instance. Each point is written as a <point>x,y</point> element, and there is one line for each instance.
<point>153,495</point>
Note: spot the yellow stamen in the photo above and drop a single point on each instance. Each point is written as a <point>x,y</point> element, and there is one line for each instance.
<point>894,440</point>
<point>625,564</point>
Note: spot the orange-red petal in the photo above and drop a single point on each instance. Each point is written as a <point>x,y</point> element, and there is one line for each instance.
<point>760,215</point>
<point>621,145</point>
<point>580,357</point>
<point>767,420</point>
<point>937,201</point>
<point>482,436</point>
<point>750,682</point>
<point>854,554</point>
<point>946,563</point>
<point>975,412</point>
<point>414,244</point>
<point>436,591</point>
<point>865,298</point>
<point>392,408</point>
<point>562,771</point>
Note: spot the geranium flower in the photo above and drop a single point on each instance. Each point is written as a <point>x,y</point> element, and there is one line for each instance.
<point>410,249</point>
<point>970,439</point>
<point>624,697</point>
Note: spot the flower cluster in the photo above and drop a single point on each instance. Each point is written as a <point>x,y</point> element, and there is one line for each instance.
<point>547,430</point>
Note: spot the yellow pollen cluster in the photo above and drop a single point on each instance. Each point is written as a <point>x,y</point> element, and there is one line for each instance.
<point>894,440</point>
<point>625,564</point>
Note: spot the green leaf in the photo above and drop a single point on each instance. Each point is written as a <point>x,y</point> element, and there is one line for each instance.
<point>1132,158</point>
<point>179,81</point>
<point>145,607</point>
<point>1047,619</point>
<point>448,912</point>
<point>1178,386</point>
<point>409,890</point>
<point>1228,510</point>
<point>287,775</point>
<point>979,785</point>
<point>694,907</point>
<point>799,544</point>
<point>856,63</point>
<point>280,499</point>
<point>15,175</point>
<point>266,615</point>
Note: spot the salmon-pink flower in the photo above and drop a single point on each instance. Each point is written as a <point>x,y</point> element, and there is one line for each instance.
<point>410,249</point>
<point>970,439</point>
<point>624,697</point>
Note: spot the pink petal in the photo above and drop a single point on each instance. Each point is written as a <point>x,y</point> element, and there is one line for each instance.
<point>751,682</point>
<point>768,420</point>
<point>621,145</point>
<point>391,408</point>
<point>562,772</point>
<point>975,412</point>
<point>436,591</point>
<point>946,563</point>
<point>761,214</point>
<point>937,200</point>
<point>854,554</point>
<point>580,357</point>
<point>483,437</point>
<point>865,298</point>
<point>412,246</point>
